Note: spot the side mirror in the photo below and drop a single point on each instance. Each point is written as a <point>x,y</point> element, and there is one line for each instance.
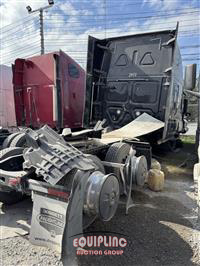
<point>190,77</point>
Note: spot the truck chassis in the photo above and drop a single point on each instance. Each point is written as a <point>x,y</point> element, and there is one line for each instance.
<point>80,174</point>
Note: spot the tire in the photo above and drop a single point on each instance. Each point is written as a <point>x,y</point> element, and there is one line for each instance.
<point>89,219</point>
<point>11,197</point>
<point>9,139</point>
<point>98,162</point>
<point>12,151</point>
<point>19,141</point>
<point>117,153</point>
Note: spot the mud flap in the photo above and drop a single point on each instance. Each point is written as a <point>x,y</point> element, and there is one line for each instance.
<point>74,220</point>
<point>48,215</point>
<point>57,217</point>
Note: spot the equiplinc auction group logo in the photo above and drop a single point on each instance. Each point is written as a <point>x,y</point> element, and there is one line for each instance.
<point>102,245</point>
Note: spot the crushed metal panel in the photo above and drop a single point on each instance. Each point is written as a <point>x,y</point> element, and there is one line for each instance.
<point>51,156</point>
<point>142,125</point>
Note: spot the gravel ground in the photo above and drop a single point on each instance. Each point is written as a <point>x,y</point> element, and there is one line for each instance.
<point>159,228</point>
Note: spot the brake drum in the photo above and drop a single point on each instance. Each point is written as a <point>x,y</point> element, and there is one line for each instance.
<point>138,170</point>
<point>102,195</point>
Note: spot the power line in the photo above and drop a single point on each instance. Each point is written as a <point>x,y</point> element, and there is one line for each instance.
<point>20,49</point>
<point>25,56</point>
<point>21,27</point>
<point>31,27</point>
<point>60,42</point>
<point>20,38</point>
<point>30,19</point>
<point>15,54</point>
<point>141,17</point>
<point>25,19</point>
<point>63,38</point>
<point>117,31</point>
<point>79,28</point>
<point>97,24</point>
<point>130,13</point>
<point>125,5</point>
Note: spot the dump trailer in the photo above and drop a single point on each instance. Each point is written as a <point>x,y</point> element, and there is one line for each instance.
<point>131,75</point>
<point>48,89</point>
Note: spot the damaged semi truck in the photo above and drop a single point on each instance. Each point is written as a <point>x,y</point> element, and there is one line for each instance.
<point>75,178</point>
<point>130,75</point>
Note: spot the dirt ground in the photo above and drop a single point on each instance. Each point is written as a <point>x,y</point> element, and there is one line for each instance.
<point>161,229</point>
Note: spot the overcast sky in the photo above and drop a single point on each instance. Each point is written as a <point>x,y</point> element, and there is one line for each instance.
<point>68,23</point>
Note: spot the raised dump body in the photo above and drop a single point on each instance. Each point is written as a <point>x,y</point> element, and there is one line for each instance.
<point>49,89</point>
<point>130,75</point>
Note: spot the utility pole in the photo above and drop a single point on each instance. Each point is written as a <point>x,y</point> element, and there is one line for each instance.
<point>41,31</point>
<point>41,10</point>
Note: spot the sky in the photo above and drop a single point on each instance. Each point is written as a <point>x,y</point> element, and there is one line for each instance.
<point>67,25</point>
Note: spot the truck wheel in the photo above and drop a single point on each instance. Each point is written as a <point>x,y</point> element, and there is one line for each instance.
<point>12,151</point>
<point>117,153</point>
<point>19,141</point>
<point>8,140</point>
<point>11,197</point>
<point>97,161</point>
<point>89,219</point>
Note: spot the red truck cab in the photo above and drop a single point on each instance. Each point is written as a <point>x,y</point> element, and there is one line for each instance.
<point>49,89</point>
